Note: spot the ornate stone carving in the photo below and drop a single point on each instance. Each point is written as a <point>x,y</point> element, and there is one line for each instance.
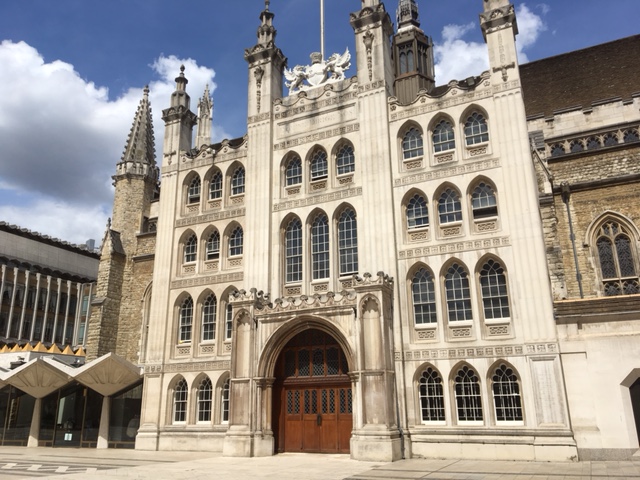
<point>455,247</point>
<point>319,72</point>
<point>258,73</point>
<point>367,38</point>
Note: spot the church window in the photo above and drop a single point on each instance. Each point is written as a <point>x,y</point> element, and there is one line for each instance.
<point>412,144</point>
<point>449,206</point>
<point>467,393</point>
<point>493,284</point>
<point>186,320</point>
<point>320,247</point>
<point>348,242</point>
<point>506,395</point>
<point>576,146</point>
<point>205,397</point>
<point>236,240</point>
<point>417,212</point>
<point>483,201</point>
<point>443,137</point>
<point>456,283</point>
<point>431,396</point>
<point>193,194</point>
<point>228,321</point>
<point>610,140</point>
<point>237,181</point>
<point>345,160</point>
<point>475,129</point>
<point>215,187</point>
<point>293,171</point>
<point>557,150</point>
<point>224,403</point>
<point>593,143</point>
<point>191,249</point>
<point>618,259</point>
<point>319,165</point>
<point>630,136</point>
<point>424,297</point>
<point>213,246</point>
<point>180,395</point>
<point>209,318</point>
<point>293,251</point>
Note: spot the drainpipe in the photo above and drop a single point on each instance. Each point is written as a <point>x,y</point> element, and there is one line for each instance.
<point>566,193</point>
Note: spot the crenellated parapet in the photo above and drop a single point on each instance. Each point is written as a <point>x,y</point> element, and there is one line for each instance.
<point>141,169</point>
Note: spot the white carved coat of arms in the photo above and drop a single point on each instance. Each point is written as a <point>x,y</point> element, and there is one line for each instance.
<point>320,71</point>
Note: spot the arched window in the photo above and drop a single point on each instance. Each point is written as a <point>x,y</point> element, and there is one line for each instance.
<point>483,201</point>
<point>348,242</point>
<point>449,206</point>
<point>237,181</point>
<point>610,140</point>
<point>236,240</point>
<point>576,146</point>
<point>180,396</point>
<point>205,397</point>
<point>467,392</point>
<point>431,396</point>
<point>193,193</point>
<point>293,251</point>
<point>557,150</point>
<point>213,246</point>
<point>345,160</point>
<point>293,171</point>
<point>191,249</point>
<point>319,165</point>
<point>593,143</point>
<point>630,136</point>
<point>410,65</point>
<point>403,62</point>
<point>443,137</point>
<point>215,187</point>
<point>617,257</point>
<point>412,144</point>
<point>224,402</point>
<point>506,395</point>
<point>228,321</point>
<point>493,283</point>
<point>475,129</point>
<point>186,320</point>
<point>320,247</point>
<point>424,297</point>
<point>417,212</point>
<point>456,284</point>
<point>209,308</point>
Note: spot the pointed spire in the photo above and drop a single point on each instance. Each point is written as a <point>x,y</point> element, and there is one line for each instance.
<point>266,30</point>
<point>180,97</point>
<point>205,115</point>
<point>407,14</point>
<point>140,145</point>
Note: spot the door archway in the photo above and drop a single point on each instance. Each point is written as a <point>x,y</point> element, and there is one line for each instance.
<point>312,396</point>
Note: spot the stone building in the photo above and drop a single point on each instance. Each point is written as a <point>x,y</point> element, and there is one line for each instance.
<point>384,265</point>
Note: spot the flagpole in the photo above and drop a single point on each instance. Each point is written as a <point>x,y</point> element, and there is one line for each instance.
<point>322,28</point>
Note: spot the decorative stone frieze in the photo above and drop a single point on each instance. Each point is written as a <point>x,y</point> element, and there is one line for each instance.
<point>316,137</point>
<point>209,279</point>
<point>448,172</point>
<point>210,217</point>
<point>328,197</point>
<point>479,352</point>
<point>188,367</point>
<point>455,247</point>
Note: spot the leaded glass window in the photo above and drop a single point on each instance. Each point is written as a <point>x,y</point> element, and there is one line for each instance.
<point>449,207</point>
<point>193,193</point>
<point>345,160</point>
<point>610,140</point>
<point>293,171</point>
<point>209,318</point>
<point>618,257</point>
<point>475,129</point>
<point>237,181</point>
<point>228,321</point>
<point>412,144</point>
<point>593,143</point>
<point>443,137</point>
<point>417,212</point>
<point>483,201</point>
<point>319,165</point>
<point>320,247</point>
<point>186,320</point>
<point>224,402</point>
<point>348,242</point>
<point>215,187</point>
<point>576,146</point>
<point>424,297</point>
<point>467,393</point>
<point>205,398</point>
<point>506,395</point>
<point>630,136</point>
<point>431,396</point>
<point>236,242</point>
<point>180,395</point>
<point>293,251</point>
<point>456,284</point>
<point>493,283</point>
<point>213,246</point>
<point>191,249</point>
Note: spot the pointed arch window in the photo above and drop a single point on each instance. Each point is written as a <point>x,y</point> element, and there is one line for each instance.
<point>449,206</point>
<point>630,136</point>
<point>475,129</point>
<point>506,395</point>
<point>213,246</point>
<point>205,399</point>
<point>215,187</point>
<point>224,402</point>
<point>191,249</point>
<point>467,393</point>
<point>236,242</point>
<point>293,251</point>
<point>319,165</point>
<point>493,284</point>
<point>209,308</point>
<point>193,192</point>
<point>456,284</point>
<point>228,321</point>
<point>348,242</point>
<point>180,397</point>
<point>431,396</point>
<point>293,171</point>
<point>417,212</point>
<point>617,256</point>
<point>345,160</point>
<point>320,247</point>
<point>412,144</point>
<point>237,181</point>
<point>424,297</point>
<point>186,320</point>
<point>483,201</point>
<point>443,137</point>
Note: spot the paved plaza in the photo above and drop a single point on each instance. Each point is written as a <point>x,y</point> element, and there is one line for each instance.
<point>63,464</point>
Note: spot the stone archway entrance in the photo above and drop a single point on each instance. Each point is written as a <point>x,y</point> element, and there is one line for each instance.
<point>312,396</point>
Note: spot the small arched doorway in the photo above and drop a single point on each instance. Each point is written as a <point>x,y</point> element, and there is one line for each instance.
<point>312,396</point>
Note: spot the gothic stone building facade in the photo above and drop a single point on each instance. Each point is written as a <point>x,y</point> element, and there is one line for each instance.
<point>383,266</point>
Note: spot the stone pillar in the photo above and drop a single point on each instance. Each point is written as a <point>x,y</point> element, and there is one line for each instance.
<point>105,416</point>
<point>24,302</point>
<point>34,430</point>
<point>13,300</point>
<point>46,311</point>
<point>36,301</point>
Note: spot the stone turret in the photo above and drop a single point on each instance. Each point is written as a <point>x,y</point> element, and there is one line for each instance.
<point>499,28</point>
<point>205,115</point>
<point>179,121</point>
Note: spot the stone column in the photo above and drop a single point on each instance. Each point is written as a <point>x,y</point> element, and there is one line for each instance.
<point>13,300</point>
<point>66,311</point>
<point>36,300</point>
<point>34,430</point>
<point>105,416</point>
<point>46,310</point>
<point>24,302</point>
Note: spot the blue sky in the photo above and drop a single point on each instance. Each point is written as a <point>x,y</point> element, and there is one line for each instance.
<point>72,73</point>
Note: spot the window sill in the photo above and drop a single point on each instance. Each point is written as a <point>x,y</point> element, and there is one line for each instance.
<point>509,423</point>
<point>497,321</point>
<point>412,163</point>
<point>237,199</point>
<point>426,326</point>
<point>477,149</point>
<point>471,423</point>
<point>293,189</point>
<point>318,184</point>
<point>345,178</point>
<point>445,157</point>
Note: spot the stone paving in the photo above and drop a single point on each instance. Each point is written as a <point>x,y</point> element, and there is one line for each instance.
<point>63,464</point>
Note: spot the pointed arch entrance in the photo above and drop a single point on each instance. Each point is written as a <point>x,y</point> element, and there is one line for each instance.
<point>312,406</point>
